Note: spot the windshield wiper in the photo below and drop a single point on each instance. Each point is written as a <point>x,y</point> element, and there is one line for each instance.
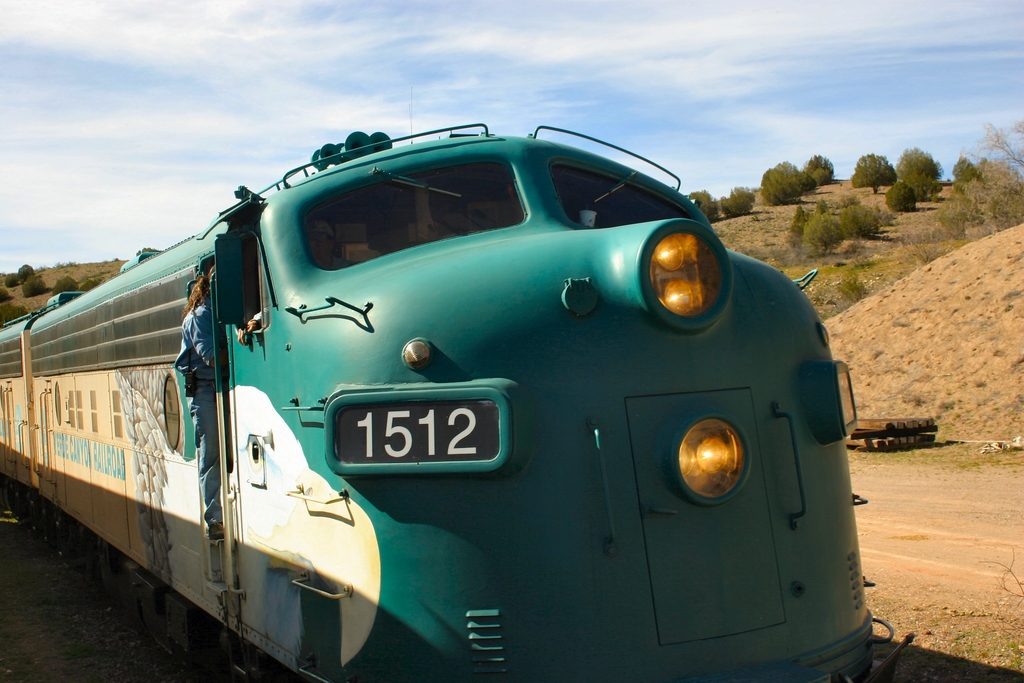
<point>615,189</point>
<point>412,182</point>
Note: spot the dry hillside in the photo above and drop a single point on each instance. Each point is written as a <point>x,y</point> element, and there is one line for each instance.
<point>909,241</point>
<point>946,341</point>
<point>102,271</point>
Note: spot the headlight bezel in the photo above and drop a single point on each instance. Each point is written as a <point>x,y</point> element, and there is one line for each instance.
<point>673,463</point>
<point>654,305</point>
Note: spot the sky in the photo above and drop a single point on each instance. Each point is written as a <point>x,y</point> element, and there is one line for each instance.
<point>126,125</point>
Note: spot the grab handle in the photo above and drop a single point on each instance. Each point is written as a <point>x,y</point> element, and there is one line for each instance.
<point>303,582</point>
<point>793,516</point>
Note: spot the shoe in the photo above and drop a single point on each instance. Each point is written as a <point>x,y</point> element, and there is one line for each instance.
<point>215,531</point>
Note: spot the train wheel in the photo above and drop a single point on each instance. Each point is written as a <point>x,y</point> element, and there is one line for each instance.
<point>33,516</point>
<point>62,525</point>
<point>47,520</point>
<point>5,503</point>
<point>89,544</point>
<point>108,567</point>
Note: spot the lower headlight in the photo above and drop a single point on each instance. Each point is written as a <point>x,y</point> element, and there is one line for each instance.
<point>711,458</point>
<point>685,274</point>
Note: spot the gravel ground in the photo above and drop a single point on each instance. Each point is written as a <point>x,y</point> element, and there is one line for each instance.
<point>56,628</point>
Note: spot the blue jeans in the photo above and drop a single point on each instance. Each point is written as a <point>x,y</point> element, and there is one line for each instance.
<point>203,407</point>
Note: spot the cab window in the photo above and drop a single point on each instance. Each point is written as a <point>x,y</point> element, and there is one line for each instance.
<point>613,201</point>
<point>403,211</point>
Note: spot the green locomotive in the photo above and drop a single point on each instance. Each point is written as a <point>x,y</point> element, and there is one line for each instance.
<point>511,409</point>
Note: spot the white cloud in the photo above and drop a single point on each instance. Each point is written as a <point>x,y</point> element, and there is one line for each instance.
<point>123,116</point>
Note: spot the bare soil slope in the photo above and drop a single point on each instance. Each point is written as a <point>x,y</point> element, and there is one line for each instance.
<point>947,341</point>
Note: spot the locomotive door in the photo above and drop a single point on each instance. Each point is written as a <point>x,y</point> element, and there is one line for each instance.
<point>712,566</point>
<point>43,455</point>
<point>7,429</point>
<point>272,613</point>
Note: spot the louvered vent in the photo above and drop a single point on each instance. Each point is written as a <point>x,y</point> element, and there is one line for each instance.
<point>856,585</point>
<point>486,641</point>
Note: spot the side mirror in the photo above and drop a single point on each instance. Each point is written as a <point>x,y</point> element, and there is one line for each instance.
<point>228,293</point>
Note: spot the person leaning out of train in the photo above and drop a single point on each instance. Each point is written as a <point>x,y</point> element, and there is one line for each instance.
<point>196,363</point>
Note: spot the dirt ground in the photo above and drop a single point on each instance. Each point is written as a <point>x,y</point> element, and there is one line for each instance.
<point>941,530</point>
<point>56,628</point>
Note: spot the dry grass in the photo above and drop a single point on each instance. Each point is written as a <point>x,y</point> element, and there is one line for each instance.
<point>103,270</point>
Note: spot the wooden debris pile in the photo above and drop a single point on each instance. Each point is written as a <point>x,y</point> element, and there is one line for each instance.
<point>1014,444</point>
<point>893,434</point>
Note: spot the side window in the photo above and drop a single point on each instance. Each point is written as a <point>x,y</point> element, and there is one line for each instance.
<point>93,413</point>
<point>254,285</point>
<point>115,410</point>
<point>611,200</point>
<point>79,408</point>
<point>71,409</point>
<point>172,413</point>
<point>405,211</point>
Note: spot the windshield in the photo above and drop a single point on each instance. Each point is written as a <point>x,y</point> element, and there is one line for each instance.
<point>403,211</point>
<point>598,201</point>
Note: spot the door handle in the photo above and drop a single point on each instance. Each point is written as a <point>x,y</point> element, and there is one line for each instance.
<point>651,510</point>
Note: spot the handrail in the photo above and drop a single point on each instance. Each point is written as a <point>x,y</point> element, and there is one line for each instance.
<point>303,582</point>
<point>793,516</point>
<point>301,495</point>
<point>609,545</point>
<point>661,168</point>
<point>283,183</point>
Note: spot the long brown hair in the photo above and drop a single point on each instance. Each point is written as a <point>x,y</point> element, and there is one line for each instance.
<point>200,292</point>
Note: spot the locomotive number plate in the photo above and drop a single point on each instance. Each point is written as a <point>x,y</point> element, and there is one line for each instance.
<point>417,432</point>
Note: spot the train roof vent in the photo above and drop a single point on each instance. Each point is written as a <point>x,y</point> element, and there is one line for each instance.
<point>131,263</point>
<point>62,298</point>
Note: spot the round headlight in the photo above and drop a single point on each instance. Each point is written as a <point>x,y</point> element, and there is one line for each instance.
<point>685,274</point>
<point>711,458</point>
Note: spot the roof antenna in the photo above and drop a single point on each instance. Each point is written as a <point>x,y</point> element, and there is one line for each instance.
<point>410,110</point>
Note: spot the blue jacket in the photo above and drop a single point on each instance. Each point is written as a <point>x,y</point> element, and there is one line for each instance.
<point>197,343</point>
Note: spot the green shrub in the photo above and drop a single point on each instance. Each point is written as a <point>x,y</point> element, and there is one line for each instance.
<point>874,171</point>
<point>964,171</point>
<point>64,284</point>
<point>901,197</point>
<point>784,184</point>
<point>25,272</point>
<point>33,286</point>
<point>859,221</point>
<point>4,294</point>
<point>12,280</point>
<point>11,311</point>
<point>799,221</point>
<point>915,161</point>
<point>86,285</point>
<point>848,200</point>
<point>706,203</point>
<point>925,189</point>
<point>739,202</point>
<point>821,169</point>
<point>821,232</point>
<point>921,172</point>
<point>851,288</point>
<point>821,206</point>
<point>959,212</point>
